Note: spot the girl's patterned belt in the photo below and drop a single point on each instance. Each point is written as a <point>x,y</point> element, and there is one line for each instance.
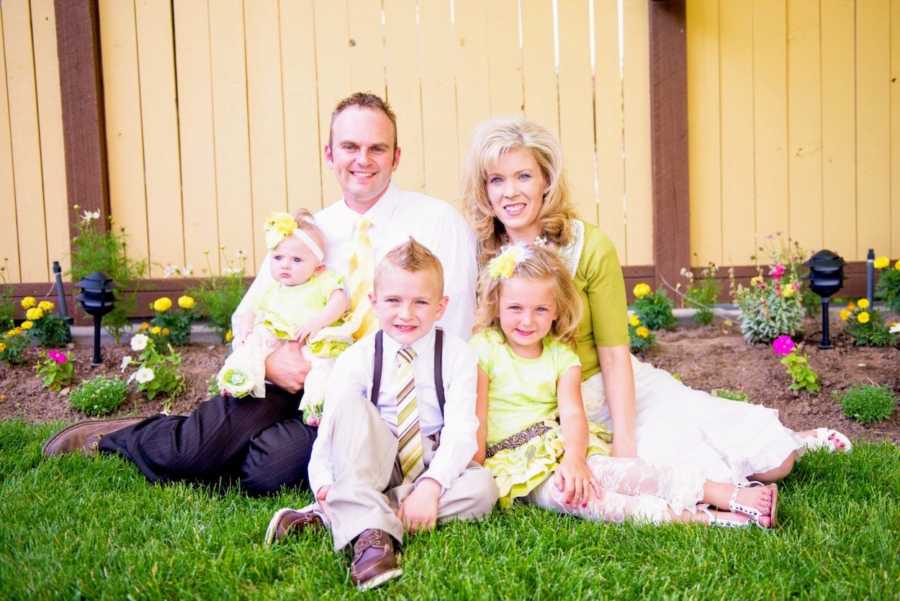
<point>519,438</point>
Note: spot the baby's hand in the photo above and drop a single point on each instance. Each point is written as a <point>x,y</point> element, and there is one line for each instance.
<point>419,510</point>
<point>575,480</point>
<point>309,329</point>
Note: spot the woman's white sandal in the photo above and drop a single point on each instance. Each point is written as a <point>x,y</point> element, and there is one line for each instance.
<point>823,440</point>
<point>752,512</point>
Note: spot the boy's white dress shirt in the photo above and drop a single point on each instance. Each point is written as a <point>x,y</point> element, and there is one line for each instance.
<point>352,378</point>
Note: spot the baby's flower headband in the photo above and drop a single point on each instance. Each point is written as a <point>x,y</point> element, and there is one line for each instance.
<point>504,264</point>
<point>281,225</point>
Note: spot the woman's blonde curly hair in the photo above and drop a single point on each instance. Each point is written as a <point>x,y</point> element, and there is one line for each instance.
<point>491,140</point>
<point>539,264</point>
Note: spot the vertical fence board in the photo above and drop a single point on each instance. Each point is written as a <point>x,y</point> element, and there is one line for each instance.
<point>197,135</point>
<point>124,138</point>
<point>53,160</point>
<point>266,116</point>
<point>804,123</point>
<point>576,105</point>
<point>704,142</point>
<point>895,130</point>
<point>332,59</point>
<point>229,89</point>
<point>9,234</point>
<point>638,177</point>
<point>873,115</point>
<point>472,99</point>
<point>838,127</point>
<point>609,121</point>
<point>26,149</point>
<point>302,144</point>
<point>404,93</point>
<point>769,118</point>
<point>504,58</point>
<point>160,132</point>
<point>366,43</point>
<point>538,69</point>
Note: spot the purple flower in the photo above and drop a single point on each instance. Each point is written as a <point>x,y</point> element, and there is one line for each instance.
<point>57,356</point>
<point>776,271</point>
<point>783,345</point>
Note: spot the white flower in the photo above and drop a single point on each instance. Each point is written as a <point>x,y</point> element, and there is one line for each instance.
<point>144,375</point>
<point>170,271</point>
<point>138,342</point>
<point>188,270</point>
<point>231,270</point>
<point>88,216</point>
<point>895,327</point>
<point>126,361</point>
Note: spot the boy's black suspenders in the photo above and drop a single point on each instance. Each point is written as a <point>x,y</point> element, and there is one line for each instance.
<point>438,367</point>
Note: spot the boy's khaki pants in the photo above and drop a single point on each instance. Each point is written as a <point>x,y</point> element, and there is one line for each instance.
<point>368,490</point>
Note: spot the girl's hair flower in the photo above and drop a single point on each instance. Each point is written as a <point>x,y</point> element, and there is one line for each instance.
<point>783,345</point>
<point>279,225</point>
<point>504,264</point>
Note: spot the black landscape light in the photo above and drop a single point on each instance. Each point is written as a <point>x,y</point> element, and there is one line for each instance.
<point>96,299</point>
<point>826,276</point>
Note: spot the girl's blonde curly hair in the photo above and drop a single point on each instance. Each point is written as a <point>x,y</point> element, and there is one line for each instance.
<point>491,140</point>
<point>539,263</point>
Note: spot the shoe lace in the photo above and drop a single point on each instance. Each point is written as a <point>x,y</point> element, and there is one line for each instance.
<point>368,539</point>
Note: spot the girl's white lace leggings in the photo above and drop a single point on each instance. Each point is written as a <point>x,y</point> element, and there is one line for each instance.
<point>631,490</point>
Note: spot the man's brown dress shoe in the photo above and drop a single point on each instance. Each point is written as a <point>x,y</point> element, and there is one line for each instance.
<point>85,436</point>
<point>374,561</point>
<point>290,521</point>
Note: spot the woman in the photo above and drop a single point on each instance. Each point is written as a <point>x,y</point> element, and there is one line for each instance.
<point>515,192</point>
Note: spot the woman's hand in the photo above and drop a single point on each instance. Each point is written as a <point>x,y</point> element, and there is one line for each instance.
<point>576,482</point>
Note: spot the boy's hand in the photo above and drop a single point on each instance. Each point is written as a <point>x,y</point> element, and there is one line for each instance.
<point>418,512</point>
<point>576,482</point>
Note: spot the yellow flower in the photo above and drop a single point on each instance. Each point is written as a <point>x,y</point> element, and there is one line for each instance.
<point>863,317</point>
<point>863,303</point>
<point>634,320</point>
<point>897,265</point>
<point>34,314</point>
<point>851,305</point>
<point>845,314</point>
<point>186,302</point>
<point>787,291</point>
<point>881,262</point>
<point>28,302</point>
<point>143,327</point>
<point>165,331</point>
<point>504,264</point>
<point>641,290</point>
<point>155,330</point>
<point>46,306</point>
<point>27,325</point>
<point>162,304</point>
<point>229,336</point>
<point>2,347</point>
<point>642,331</point>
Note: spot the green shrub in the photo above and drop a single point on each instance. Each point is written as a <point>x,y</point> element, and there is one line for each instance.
<point>156,373</point>
<point>640,337</point>
<point>174,323</point>
<point>56,369</point>
<point>14,345</point>
<point>865,325</point>
<point>51,331</point>
<point>868,404</point>
<point>888,288</point>
<point>702,293</point>
<point>219,296</point>
<point>654,308</point>
<point>99,396</point>
<point>802,375</point>
<point>107,252</point>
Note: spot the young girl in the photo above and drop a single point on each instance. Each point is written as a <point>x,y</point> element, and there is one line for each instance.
<point>534,436</point>
<point>301,301</point>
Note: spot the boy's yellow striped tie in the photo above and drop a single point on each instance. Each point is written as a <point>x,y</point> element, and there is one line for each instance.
<point>360,277</point>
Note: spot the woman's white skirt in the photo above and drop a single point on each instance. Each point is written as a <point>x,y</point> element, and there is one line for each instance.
<point>677,425</point>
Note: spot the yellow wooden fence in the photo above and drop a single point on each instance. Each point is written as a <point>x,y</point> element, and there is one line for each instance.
<point>794,125</point>
<point>217,111</point>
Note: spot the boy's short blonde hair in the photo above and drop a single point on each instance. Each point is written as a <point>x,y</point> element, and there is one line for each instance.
<point>413,257</point>
<point>539,263</point>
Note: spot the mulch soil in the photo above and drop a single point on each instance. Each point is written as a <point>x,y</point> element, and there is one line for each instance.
<point>704,358</point>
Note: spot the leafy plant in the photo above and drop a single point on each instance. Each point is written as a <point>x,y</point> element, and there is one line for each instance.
<point>866,326</point>
<point>702,293</point>
<point>99,396</point>
<point>7,304</point>
<point>107,252</point>
<point>640,337</point>
<point>868,404</point>
<point>56,370</point>
<point>653,308</point>
<point>219,295</point>
<point>888,287</point>
<point>802,375</point>
<point>772,305</point>
<point>173,325</point>
<point>731,395</point>
<point>156,373</point>
<point>13,346</point>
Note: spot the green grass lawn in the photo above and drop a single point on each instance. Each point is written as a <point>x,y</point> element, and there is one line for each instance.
<point>76,527</point>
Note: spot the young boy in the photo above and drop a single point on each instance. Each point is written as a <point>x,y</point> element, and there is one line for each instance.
<point>394,452</point>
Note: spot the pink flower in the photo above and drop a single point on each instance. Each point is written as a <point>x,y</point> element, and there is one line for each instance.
<point>783,345</point>
<point>57,356</point>
<point>776,271</point>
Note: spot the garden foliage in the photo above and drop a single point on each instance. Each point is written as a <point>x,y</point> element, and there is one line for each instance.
<point>653,308</point>
<point>866,326</point>
<point>157,373</point>
<point>640,336</point>
<point>797,365</point>
<point>55,369</point>
<point>14,345</point>
<point>218,296</point>
<point>888,288</point>
<point>702,293</point>
<point>868,404</point>
<point>107,252</point>
<point>171,325</point>
<point>46,328</point>
<point>7,304</point>
<point>99,396</point>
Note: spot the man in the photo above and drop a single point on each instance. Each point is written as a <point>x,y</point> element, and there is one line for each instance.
<point>264,442</point>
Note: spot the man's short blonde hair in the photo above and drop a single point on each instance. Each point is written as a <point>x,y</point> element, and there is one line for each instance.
<point>413,257</point>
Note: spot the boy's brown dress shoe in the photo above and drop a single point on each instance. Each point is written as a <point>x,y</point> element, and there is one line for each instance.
<point>85,436</point>
<point>290,521</point>
<point>374,561</point>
